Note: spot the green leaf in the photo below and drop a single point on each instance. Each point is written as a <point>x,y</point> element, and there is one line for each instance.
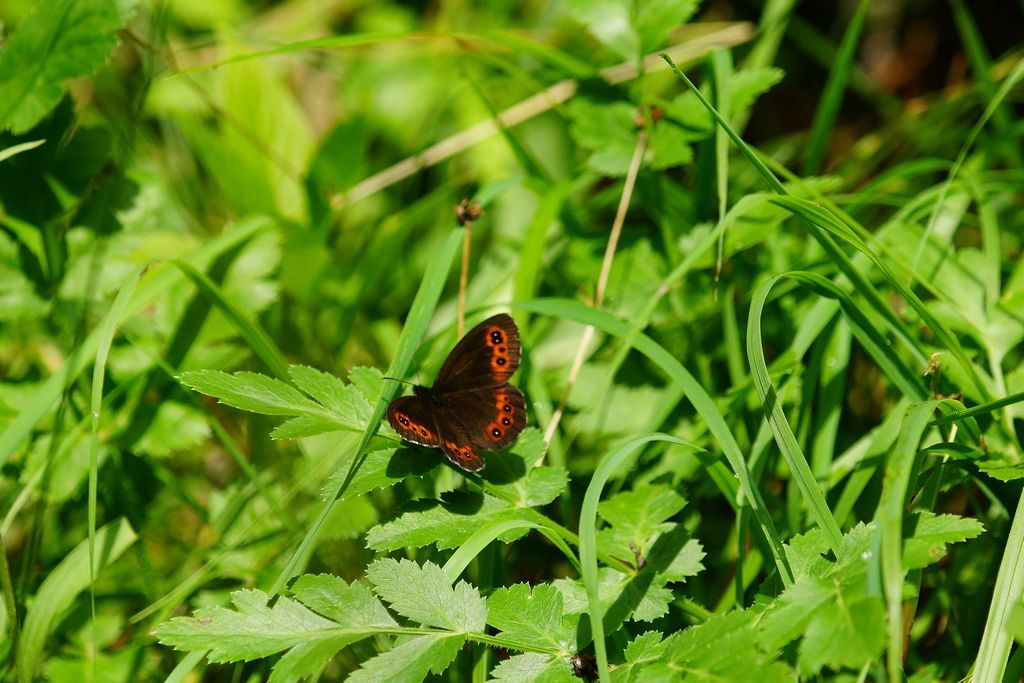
<point>423,594</point>
<point>830,608</point>
<point>533,617</point>
<point>175,427</point>
<point>352,605</point>
<point>446,523</point>
<point>343,400</point>
<point>540,485</point>
<point>928,535</point>
<point>60,40</point>
<point>631,29</point>
<point>724,648</point>
<point>635,516</point>
<point>749,84</point>
<point>60,588</point>
<point>253,629</point>
<point>249,391</point>
<point>646,648</point>
<point>411,661</point>
<point>534,667</point>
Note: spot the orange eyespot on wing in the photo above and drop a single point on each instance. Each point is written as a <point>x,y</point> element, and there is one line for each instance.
<point>411,419</point>
<point>485,357</point>
<point>464,455</point>
<point>508,417</point>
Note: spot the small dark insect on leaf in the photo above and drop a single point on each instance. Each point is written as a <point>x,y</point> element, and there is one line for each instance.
<point>466,212</point>
<point>584,666</point>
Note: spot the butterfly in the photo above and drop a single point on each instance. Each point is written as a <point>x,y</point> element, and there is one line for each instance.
<point>471,405</point>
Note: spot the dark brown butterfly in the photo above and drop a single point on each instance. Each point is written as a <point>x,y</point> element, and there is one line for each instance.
<point>471,405</point>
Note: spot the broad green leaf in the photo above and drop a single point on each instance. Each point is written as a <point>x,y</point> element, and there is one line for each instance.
<point>928,535</point>
<point>646,648</point>
<point>631,29</point>
<point>348,604</point>
<point>724,648</point>
<point>253,629</point>
<point>60,40</point>
<point>635,516</point>
<point>249,391</point>
<point>532,616</point>
<point>829,606</point>
<point>331,393</point>
<point>424,594</point>
<point>533,667</point>
<point>411,661</point>
<point>307,425</point>
<point>175,427</point>
<point>446,523</point>
<point>749,84</point>
<point>540,485</point>
<point>60,588</point>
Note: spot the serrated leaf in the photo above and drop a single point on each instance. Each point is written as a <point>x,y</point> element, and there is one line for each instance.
<point>446,523</point>
<point>749,84</point>
<point>249,391</point>
<point>252,630</point>
<point>411,661</point>
<point>724,648</point>
<point>387,466</point>
<point>423,594</point>
<point>641,597</point>
<point>308,425</point>
<point>533,667</point>
<point>829,606</point>
<point>60,40</point>
<point>528,485</point>
<point>638,514</point>
<point>532,616</point>
<point>929,534</point>
<point>343,400</point>
<point>631,29</point>
<point>368,380</point>
<point>352,605</point>
<point>646,648</point>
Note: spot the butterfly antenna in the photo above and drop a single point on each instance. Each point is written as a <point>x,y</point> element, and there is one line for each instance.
<point>395,379</point>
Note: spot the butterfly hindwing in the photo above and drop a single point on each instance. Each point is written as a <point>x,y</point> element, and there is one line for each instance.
<point>487,356</point>
<point>411,417</point>
<point>492,417</point>
<point>457,441</point>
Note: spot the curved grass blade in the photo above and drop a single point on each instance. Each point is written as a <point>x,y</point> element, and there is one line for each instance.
<point>588,538</point>
<point>574,310</point>
<point>784,436</point>
<point>483,536</point>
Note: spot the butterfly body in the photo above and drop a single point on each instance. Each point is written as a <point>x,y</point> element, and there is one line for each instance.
<point>471,405</point>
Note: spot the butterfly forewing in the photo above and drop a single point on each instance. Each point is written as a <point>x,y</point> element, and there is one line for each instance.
<point>411,417</point>
<point>486,357</point>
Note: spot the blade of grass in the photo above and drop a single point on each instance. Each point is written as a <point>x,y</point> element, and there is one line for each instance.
<point>483,536</point>
<point>891,510</point>
<point>588,539</point>
<point>420,312</point>
<point>784,436</point>
<point>259,341</point>
<point>827,113</point>
<point>110,324</point>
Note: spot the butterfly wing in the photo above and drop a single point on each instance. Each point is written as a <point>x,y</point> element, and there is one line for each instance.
<point>414,421</point>
<point>486,357</point>
<point>491,418</point>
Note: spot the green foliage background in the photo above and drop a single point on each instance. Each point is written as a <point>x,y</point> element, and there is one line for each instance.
<point>769,286</point>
